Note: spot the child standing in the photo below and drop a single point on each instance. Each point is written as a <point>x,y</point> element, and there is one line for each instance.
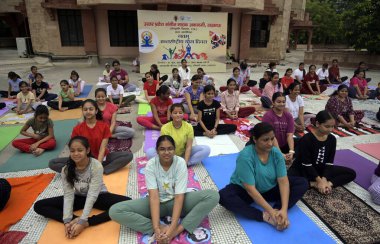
<point>13,86</point>
<point>39,89</point>
<point>25,99</point>
<point>66,99</point>
<point>115,93</point>
<point>160,108</point>
<point>76,83</point>
<point>83,188</point>
<point>209,115</point>
<point>42,137</point>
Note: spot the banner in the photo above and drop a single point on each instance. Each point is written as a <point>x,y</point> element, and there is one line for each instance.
<point>167,37</point>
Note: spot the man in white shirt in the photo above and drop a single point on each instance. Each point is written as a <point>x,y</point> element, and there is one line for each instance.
<point>323,74</point>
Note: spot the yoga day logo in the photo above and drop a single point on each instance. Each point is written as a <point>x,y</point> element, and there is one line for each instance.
<point>148,41</point>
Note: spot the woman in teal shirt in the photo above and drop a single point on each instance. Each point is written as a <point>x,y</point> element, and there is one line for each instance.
<point>260,176</point>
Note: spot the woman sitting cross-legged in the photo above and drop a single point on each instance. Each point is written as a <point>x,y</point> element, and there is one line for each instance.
<point>315,157</point>
<point>183,135</point>
<point>208,116</point>
<point>340,106</point>
<point>260,177</point>
<point>166,181</point>
<point>83,188</point>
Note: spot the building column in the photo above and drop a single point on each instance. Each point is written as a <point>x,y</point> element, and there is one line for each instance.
<point>310,36</point>
<point>89,32</point>
<point>245,36</point>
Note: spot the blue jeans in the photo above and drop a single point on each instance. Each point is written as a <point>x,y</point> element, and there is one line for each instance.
<point>198,153</point>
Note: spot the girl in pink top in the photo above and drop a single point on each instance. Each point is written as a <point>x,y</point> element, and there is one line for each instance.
<point>270,88</point>
<point>109,111</point>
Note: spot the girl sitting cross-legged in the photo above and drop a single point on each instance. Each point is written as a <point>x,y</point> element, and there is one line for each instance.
<point>83,188</point>
<point>166,181</point>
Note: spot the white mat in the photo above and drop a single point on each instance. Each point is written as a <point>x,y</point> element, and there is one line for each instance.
<point>221,144</point>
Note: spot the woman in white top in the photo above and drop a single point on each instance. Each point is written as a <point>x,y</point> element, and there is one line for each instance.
<point>323,74</point>
<point>299,73</point>
<point>295,106</point>
<point>184,72</point>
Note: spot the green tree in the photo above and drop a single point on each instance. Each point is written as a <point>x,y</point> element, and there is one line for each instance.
<point>328,22</point>
<point>362,22</point>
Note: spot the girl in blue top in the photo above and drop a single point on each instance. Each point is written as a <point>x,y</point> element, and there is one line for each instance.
<point>260,176</point>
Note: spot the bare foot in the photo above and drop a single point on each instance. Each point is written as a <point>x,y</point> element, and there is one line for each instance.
<point>269,219</point>
<point>38,152</point>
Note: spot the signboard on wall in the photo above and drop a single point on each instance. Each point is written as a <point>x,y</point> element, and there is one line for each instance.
<point>167,37</point>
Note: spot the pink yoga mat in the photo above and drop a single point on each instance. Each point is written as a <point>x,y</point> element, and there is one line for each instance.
<point>363,167</point>
<point>372,149</point>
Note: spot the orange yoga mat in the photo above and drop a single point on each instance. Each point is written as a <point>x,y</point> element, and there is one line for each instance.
<point>109,232</point>
<point>25,191</point>
<point>372,149</point>
<point>68,114</point>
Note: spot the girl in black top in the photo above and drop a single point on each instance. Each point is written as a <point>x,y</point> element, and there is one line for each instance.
<point>315,157</point>
<point>209,115</point>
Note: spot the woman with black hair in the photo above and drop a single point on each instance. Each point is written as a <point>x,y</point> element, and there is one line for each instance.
<point>260,176</point>
<point>83,188</point>
<point>166,181</point>
<point>273,86</point>
<point>97,132</point>
<point>315,154</point>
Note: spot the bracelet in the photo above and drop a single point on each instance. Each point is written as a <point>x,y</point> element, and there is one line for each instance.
<point>292,151</point>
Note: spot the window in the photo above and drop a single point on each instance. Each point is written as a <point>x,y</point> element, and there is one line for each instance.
<point>123,28</point>
<point>70,27</point>
<point>259,31</point>
<point>229,29</point>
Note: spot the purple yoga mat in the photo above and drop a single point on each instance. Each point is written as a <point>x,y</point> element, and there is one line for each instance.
<point>151,137</point>
<point>363,167</point>
<point>5,109</point>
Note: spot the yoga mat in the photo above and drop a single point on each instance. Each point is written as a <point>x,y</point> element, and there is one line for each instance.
<point>108,232</point>
<point>12,236</point>
<point>243,127</point>
<point>6,108</point>
<point>120,145</point>
<point>192,185</point>
<point>25,161</point>
<point>86,90</point>
<point>151,137</point>
<point>13,118</point>
<point>348,216</point>
<point>302,229</point>
<point>8,134</point>
<point>221,144</point>
<point>25,191</point>
<point>68,114</point>
<point>372,149</point>
<point>363,167</point>
<point>144,108</point>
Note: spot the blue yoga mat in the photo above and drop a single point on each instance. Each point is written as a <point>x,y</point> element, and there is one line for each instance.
<point>25,161</point>
<point>302,229</point>
<point>86,90</point>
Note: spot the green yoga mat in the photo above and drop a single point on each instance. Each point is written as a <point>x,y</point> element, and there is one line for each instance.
<point>25,161</point>
<point>144,108</point>
<point>8,134</point>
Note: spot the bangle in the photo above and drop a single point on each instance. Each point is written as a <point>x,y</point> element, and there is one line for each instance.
<point>292,151</point>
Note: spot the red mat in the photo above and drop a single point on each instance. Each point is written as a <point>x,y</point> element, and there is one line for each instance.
<point>372,149</point>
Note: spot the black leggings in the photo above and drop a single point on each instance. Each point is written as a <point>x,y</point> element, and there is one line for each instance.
<point>52,208</point>
<point>236,199</point>
<point>4,94</point>
<point>114,161</point>
<point>5,193</point>
<point>222,129</point>
<point>70,104</point>
<point>337,175</point>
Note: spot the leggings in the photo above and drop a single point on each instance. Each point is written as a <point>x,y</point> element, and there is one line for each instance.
<point>5,192</point>
<point>136,214</point>
<point>50,96</point>
<point>337,175</point>
<point>222,129</point>
<point>52,208</point>
<point>125,100</point>
<point>236,199</point>
<point>123,132</point>
<point>24,144</point>
<point>198,153</point>
<point>114,161</point>
<point>69,104</point>
<point>243,112</point>
<point>5,93</point>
